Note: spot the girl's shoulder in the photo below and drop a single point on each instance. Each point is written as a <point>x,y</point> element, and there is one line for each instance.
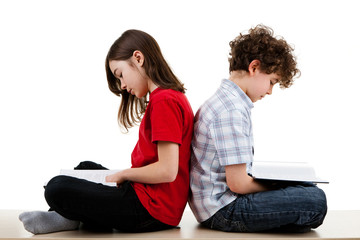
<point>170,98</point>
<point>161,94</point>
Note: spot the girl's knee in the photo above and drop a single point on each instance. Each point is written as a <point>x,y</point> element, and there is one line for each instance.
<point>56,188</point>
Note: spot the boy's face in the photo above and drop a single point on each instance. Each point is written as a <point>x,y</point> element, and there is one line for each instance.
<point>261,85</point>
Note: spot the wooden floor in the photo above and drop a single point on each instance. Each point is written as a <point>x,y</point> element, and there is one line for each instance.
<point>337,225</point>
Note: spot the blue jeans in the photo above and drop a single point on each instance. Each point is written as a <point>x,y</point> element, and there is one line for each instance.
<point>289,209</point>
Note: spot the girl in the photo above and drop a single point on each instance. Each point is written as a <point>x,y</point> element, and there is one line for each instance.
<point>152,194</point>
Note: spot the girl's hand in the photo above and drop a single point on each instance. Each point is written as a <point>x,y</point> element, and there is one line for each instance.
<point>163,171</point>
<point>116,177</point>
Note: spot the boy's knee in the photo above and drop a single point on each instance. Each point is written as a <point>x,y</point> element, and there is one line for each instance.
<point>321,206</point>
<point>318,202</point>
<point>309,198</point>
<point>319,199</point>
<point>322,202</point>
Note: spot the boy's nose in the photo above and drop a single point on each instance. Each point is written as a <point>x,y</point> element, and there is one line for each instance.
<point>269,92</point>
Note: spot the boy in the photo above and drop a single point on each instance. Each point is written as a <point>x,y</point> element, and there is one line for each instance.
<point>223,195</point>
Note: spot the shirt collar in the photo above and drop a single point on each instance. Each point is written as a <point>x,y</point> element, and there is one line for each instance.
<point>237,92</point>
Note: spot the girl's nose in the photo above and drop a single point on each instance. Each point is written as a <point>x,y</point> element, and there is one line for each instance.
<point>123,85</point>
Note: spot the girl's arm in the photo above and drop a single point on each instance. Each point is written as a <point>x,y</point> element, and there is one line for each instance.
<point>240,182</point>
<point>162,171</point>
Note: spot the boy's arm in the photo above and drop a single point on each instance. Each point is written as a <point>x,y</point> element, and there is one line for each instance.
<point>240,182</point>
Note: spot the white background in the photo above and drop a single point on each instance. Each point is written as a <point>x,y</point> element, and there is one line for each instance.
<point>56,109</point>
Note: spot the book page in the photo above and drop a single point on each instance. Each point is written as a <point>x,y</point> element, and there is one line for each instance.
<point>97,176</point>
<point>289,171</point>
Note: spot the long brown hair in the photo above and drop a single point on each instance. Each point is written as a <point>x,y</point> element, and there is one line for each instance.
<point>132,108</point>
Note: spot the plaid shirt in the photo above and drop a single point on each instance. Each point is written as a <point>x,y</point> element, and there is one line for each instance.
<point>222,136</point>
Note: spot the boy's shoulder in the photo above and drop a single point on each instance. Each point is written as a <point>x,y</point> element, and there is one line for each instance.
<point>229,97</point>
<point>226,100</point>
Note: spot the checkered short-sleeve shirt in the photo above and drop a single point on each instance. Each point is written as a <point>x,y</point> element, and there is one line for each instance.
<point>222,136</point>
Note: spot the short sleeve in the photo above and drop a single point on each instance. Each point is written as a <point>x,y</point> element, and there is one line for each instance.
<point>166,121</point>
<point>232,138</point>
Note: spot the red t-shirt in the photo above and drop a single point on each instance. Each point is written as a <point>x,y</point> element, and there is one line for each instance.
<point>168,117</point>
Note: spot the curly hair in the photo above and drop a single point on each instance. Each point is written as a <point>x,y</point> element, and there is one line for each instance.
<point>274,53</point>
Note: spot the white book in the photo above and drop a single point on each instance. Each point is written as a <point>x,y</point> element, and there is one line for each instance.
<point>285,171</point>
<point>97,176</point>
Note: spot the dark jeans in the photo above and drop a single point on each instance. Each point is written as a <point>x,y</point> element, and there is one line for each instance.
<point>289,209</point>
<point>99,205</point>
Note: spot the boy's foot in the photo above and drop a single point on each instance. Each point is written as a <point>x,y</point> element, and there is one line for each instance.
<point>38,222</point>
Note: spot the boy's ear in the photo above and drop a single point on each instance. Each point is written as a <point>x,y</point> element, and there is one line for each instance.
<point>138,57</point>
<point>253,66</point>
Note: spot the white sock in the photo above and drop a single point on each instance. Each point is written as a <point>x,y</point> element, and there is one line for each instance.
<point>38,222</point>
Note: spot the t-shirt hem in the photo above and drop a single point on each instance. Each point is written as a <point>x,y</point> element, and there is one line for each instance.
<point>172,221</point>
<point>174,140</point>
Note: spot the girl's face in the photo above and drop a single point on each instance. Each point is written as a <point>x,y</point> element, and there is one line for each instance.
<point>132,76</point>
<point>261,85</point>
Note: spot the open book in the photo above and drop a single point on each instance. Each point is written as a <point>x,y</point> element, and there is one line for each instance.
<point>97,176</point>
<point>285,171</point>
